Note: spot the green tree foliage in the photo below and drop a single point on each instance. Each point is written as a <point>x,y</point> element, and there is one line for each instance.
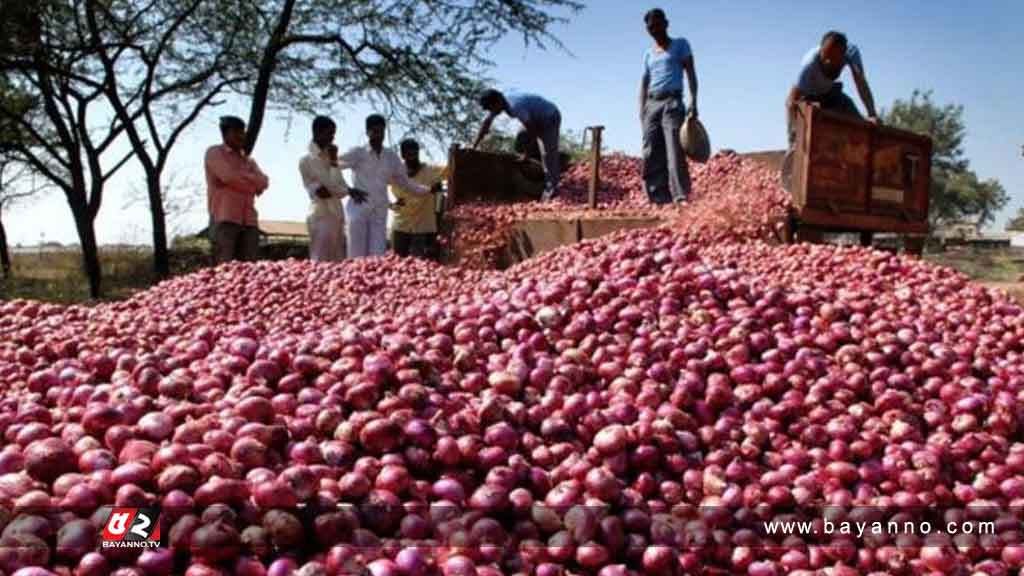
<point>157,65</point>
<point>571,144</point>
<point>49,57</point>
<point>957,193</point>
<point>420,62</point>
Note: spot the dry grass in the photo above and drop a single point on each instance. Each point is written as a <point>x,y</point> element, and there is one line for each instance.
<point>984,265</point>
<point>58,276</point>
<point>1001,269</point>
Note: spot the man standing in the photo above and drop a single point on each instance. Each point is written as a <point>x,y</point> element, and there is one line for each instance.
<point>233,181</point>
<point>374,168</point>
<point>326,186</point>
<point>662,112</point>
<point>415,227</point>
<point>543,124</point>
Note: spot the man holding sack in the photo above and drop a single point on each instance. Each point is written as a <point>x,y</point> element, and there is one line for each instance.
<point>666,177</point>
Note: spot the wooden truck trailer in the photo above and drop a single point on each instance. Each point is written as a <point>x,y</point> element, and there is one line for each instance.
<point>849,175</point>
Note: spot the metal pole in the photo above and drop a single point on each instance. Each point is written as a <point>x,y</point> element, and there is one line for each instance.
<point>595,163</point>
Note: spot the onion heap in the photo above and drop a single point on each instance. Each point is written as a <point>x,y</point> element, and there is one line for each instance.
<point>733,199</point>
<point>639,404</point>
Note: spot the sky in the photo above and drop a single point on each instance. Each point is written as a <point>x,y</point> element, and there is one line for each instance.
<point>747,56</point>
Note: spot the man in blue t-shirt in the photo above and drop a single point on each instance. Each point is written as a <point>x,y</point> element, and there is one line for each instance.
<point>666,176</point>
<point>817,83</point>
<point>542,121</point>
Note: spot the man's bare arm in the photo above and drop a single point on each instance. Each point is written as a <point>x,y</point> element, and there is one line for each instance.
<point>643,95</point>
<point>864,89</point>
<point>691,79</point>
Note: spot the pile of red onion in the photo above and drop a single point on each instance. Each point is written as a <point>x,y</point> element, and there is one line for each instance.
<point>639,404</point>
<point>733,199</point>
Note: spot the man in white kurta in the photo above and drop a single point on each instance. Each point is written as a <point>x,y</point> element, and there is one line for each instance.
<point>326,187</point>
<point>374,167</point>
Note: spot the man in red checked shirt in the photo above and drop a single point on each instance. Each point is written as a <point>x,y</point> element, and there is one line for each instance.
<point>233,181</point>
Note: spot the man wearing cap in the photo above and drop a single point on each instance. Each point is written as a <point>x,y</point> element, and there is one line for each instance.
<point>374,167</point>
<point>543,124</point>
<point>233,181</point>
<point>662,112</point>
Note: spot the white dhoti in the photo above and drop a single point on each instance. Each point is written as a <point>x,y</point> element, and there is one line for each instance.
<point>326,219</point>
<point>326,237</point>
<point>367,229</point>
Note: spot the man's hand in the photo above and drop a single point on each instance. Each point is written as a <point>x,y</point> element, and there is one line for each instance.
<point>323,192</point>
<point>693,109</point>
<point>875,120</point>
<point>359,196</point>
<point>397,204</point>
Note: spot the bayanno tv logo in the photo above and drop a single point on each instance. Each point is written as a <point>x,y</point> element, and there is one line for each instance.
<point>132,528</point>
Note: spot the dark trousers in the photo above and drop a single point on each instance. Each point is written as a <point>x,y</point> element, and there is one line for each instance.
<point>666,175</point>
<point>416,245</point>
<point>235,242</point>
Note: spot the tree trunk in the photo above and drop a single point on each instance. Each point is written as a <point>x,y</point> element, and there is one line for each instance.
<point>161,259</point>
<point>5,255</point>
<point>268,63</point>
<point>90,251</point>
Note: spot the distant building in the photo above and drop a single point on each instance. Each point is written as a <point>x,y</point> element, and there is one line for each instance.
<point>958,231</point>
<point>274,230</point>
<point>969,234</point>
<point>278,229</point>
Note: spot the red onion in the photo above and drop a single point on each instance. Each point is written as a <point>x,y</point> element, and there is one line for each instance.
<point>47,459</point>
<point>249,567</point>
<point>215,542</point>
<point>569,414</point>
<point>92,564</point>
<point>156,562</point>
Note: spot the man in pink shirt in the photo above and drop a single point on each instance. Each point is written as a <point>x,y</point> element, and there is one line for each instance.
<point>233,181</point>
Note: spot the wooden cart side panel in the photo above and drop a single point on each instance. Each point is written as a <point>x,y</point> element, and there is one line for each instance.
<point>837,160</point>
<point>591,228</point>
<point>489,177</point>
<point>861,222</point>
<point>851,175</point>
<point>799,158</point>
<point>902,174</point>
